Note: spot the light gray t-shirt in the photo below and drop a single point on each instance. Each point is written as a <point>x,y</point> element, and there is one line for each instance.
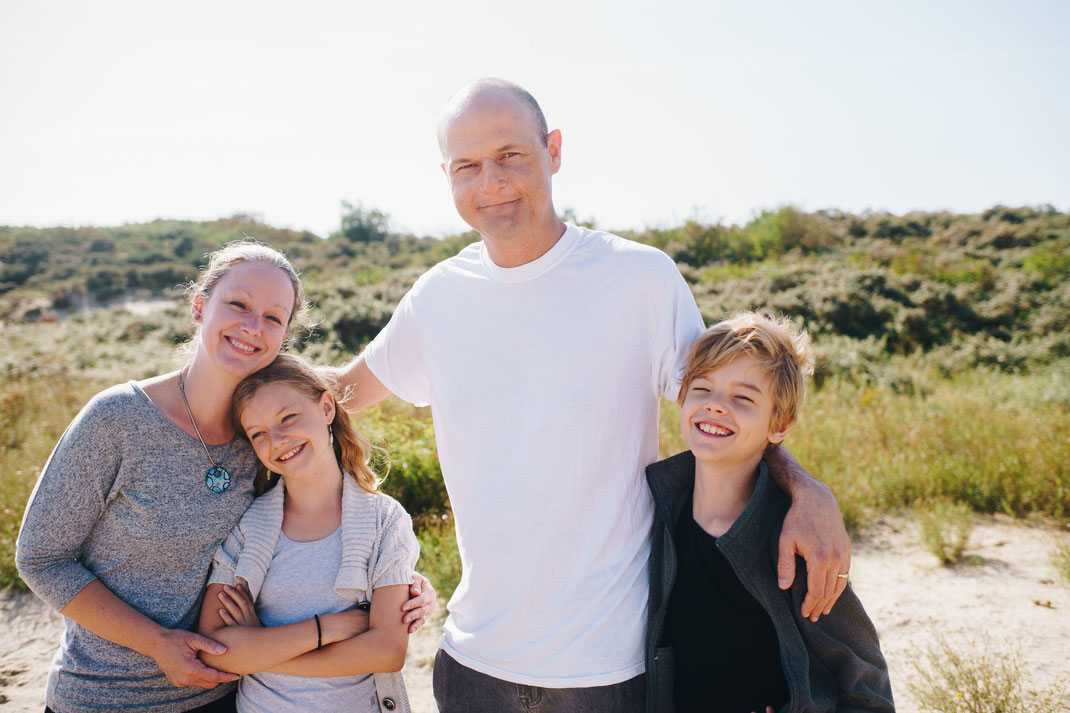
<point>299,584</point>
<point>123,499</point>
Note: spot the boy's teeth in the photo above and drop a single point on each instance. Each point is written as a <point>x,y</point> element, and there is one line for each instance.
<point>713,430</point>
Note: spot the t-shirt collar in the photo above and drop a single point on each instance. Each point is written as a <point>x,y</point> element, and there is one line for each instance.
<point>538,266</point>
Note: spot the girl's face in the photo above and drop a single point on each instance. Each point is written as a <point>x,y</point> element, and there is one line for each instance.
<point>288,431</point>
<point>244,320</point>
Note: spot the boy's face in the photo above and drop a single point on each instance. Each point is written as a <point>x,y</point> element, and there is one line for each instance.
<point>726,415</point>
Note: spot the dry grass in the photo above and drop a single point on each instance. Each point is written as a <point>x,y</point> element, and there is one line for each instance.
<point>978,678</point>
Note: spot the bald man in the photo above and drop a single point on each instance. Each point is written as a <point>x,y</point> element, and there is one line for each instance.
<point>543,351</point>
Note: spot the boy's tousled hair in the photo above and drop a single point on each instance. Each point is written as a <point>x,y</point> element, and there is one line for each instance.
<point>779,347</point>
<point>351,449</point>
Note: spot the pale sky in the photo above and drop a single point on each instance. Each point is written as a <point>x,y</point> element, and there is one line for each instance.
<point>114,112</point>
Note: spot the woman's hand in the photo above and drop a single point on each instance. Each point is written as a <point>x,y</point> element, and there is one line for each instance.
<point>421,603</point>
<point>238,608</point>
<point>175,652</point>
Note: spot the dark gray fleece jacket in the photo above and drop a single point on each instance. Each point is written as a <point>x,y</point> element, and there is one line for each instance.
<point>833,665</point>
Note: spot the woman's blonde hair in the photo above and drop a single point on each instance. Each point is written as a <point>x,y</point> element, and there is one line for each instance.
<point>350,448</point>
<point>233,254</point>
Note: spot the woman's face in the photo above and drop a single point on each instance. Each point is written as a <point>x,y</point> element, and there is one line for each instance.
<point>244,320</point>
<point>288,431</point>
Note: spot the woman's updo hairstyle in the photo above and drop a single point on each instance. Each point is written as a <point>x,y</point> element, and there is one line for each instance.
<point>351,449</point>
<point>249,250</point>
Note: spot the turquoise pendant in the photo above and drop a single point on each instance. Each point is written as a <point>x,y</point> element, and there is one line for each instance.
<point>217,479</point>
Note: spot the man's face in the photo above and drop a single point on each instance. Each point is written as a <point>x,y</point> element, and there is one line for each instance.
<point>498,168</point>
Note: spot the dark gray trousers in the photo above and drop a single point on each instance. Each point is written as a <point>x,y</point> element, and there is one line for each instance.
<point>459,689</point>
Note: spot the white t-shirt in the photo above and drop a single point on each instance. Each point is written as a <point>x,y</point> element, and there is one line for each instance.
<point>544,383</point>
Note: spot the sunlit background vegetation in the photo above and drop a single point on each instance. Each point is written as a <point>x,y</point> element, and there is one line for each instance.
<point>943,344</point>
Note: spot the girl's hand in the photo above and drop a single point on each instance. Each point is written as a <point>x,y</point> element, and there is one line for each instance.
<point>175,652</point>
<point>421,604</point>
<point>343,625</point>
<point>238,608</point>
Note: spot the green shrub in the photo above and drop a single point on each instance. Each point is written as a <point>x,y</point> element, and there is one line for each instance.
<point>440,561</point>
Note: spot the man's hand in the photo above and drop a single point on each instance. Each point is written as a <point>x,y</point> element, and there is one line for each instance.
<point>176,654</point>
<point>421,603</point>
<point>813,529</point>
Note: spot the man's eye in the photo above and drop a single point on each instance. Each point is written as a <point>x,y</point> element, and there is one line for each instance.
<point>510,154</point>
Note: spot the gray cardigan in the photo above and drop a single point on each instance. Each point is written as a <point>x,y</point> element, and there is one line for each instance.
<point>379,549</point>
<point>833,665</point>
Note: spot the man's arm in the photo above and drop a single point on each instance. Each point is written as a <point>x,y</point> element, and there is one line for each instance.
<point>813,528</point>
<point>361,385</point>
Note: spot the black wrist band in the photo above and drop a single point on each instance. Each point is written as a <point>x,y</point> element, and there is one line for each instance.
<point>319,633</point>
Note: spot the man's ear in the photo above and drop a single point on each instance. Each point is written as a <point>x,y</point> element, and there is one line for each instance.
<point>553,145</point>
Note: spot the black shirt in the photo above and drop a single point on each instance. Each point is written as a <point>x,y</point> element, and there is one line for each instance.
<point>726,650</point>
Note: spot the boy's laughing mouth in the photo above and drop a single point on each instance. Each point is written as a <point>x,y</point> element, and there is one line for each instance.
<point>713,429</point>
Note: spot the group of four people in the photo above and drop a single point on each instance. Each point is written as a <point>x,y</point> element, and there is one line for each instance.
<point>543,351</point>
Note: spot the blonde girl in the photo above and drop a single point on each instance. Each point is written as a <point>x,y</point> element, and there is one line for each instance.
<point>304,591</point>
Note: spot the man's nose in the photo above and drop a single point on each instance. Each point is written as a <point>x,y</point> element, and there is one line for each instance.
<point>493,178</point>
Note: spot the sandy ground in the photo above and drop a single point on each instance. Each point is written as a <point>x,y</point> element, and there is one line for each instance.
<point>1011,600</point>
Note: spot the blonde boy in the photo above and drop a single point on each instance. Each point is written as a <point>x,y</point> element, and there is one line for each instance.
<point>718,517</point>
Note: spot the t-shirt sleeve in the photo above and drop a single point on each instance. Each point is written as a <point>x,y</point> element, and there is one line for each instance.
<point>679,325</point>
<point>70,496</point>
<point>398,548</point>
<point>395,356</point>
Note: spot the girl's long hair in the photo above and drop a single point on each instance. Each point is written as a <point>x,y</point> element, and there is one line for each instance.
<point>351,449</point>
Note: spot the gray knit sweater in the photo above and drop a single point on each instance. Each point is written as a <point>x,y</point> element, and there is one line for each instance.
<point>122,499</point>
<point>379,549</point>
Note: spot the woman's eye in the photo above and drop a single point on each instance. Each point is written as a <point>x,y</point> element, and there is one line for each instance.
<point>741,397</point>
<point>275,319</point>
<point>288,416</point>
<point>254,436</point>
<point>238,304</point>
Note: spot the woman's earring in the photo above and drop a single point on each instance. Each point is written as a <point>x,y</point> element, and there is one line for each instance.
<point>331,432</point>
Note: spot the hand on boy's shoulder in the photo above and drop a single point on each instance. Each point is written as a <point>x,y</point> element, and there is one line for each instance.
<point>814,530</point>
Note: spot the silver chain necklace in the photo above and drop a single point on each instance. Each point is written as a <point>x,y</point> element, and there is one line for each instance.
<point>217,479</point>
